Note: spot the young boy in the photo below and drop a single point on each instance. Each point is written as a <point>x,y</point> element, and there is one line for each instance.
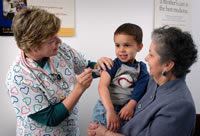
<point>122,87</point>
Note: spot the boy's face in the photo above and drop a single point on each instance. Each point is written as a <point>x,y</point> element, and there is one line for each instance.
<point>126,48</point>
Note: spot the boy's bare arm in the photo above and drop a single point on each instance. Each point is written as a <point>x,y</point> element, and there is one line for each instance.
<point>111,116</point>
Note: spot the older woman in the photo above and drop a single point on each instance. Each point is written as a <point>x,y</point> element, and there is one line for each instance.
<point>42,81</point>
<point>167,108</point>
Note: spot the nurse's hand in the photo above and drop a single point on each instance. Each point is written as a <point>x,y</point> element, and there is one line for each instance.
<point>83,82</point>
<point>105,61</point>
<point>84,79</point>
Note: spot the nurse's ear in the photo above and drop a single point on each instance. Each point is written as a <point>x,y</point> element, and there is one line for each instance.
<point>35,49</point>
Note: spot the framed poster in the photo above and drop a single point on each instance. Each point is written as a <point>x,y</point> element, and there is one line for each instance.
<point>175,13</point>
<point>64,9</point>
<point>8,9</point>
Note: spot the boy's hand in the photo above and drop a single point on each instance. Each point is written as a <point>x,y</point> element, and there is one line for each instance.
<point>112,120</point>
<point>126,113</point>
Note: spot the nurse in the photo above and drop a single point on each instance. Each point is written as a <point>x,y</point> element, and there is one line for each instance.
<point>42,82</point>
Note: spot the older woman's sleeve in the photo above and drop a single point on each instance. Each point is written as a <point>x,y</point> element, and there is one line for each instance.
<point>172,122</point>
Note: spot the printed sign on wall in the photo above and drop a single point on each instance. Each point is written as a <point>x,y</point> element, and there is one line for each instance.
<point>173,13</point>
<point>64,9</point>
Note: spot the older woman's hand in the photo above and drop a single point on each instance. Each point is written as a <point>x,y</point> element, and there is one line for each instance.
<point>95,129</point>
<point>91,129</point>
<point>105,61</point>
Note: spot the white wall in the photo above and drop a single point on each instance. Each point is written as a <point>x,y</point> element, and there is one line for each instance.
<point>95,23</point>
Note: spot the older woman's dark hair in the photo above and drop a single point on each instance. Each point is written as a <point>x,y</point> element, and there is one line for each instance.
<point>176,45</point>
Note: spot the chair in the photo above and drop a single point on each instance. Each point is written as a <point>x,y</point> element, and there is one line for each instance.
<point>197,126</point>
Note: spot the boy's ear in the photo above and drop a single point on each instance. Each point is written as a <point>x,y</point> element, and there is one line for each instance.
<point>140,46</point>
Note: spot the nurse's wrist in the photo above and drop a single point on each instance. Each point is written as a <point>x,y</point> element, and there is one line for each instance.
<point>78,88</point>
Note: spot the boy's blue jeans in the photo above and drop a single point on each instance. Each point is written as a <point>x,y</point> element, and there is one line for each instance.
<point>99,113</point>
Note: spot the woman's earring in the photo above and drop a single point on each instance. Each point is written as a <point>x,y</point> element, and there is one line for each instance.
<point>164,73</point>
